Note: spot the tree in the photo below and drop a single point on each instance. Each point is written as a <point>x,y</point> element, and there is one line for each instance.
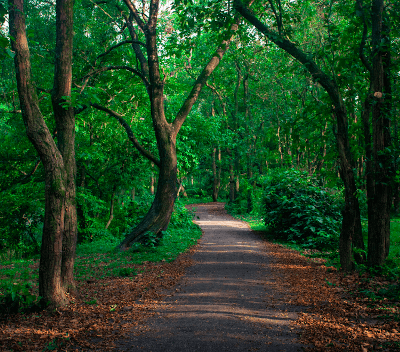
<point>158,217</point>
<point>351,225</point>
<point>59,229</point>
<point>377,146</point>
<point>379,160</point>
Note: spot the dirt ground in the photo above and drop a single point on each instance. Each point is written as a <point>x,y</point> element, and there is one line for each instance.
<point>231,292</point>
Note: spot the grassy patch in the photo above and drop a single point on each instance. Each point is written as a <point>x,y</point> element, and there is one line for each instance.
<point>93,265</point>
<point>394,253</point>
<point>97,260</point>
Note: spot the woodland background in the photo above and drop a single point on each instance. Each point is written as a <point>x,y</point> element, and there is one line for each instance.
<point>297,124</point>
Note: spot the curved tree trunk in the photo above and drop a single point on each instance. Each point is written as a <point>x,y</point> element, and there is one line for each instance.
<point>158,217</point>
<point>351,224</point>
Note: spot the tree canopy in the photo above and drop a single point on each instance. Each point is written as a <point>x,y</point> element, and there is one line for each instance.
<point>140,102</point>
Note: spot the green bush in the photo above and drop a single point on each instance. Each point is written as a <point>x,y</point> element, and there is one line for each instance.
<point>21,221</point>
<point>18,298</point>
<point>298,210</point>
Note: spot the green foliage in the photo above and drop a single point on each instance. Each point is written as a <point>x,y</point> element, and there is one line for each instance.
<point>16,290</point>
<point>21,220</point>
<point>298,210</point>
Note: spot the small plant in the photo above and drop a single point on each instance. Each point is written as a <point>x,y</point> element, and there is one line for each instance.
<point>150,239</point>
<point>124,272</point>
<point>18,298</point>
<point>92,301</point>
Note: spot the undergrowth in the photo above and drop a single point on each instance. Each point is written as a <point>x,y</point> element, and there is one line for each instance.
<point>97,260</point>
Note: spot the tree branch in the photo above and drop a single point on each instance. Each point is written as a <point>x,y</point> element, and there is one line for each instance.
<point>129,132</point>
<point>317,74</point>
<point>127,68</point>
<point>135,14</point>
<point>138,42</point>
<point>364,38</point>
<point>202,78</point>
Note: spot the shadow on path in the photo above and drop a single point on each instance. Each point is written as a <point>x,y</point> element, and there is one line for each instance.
<point>223,302</point>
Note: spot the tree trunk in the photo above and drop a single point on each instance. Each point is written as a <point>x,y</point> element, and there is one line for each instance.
<point>231,182</point>
<point>50,284</point>
<point>351,224</point>
<point>65,124</point>
<point>379,204</point>
<point>158,217</point>
<point>216,175</point>
<point>111,213</point>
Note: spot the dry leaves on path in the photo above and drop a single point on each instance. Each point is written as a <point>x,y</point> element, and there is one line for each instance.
<point>335,319</point>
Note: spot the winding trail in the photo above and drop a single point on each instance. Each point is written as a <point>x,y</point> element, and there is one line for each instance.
<point>224,302</point>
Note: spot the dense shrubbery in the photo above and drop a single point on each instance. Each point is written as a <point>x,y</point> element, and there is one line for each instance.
<point>21,221</point>
<point>298,210</point>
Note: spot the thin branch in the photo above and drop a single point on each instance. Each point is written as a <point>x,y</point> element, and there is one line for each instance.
<point>11,112</point>
<point>135,14</point>
<point>120,44</point>
<point>127,68</point>
<point>364,38</point>
<point>97,4</point>
<point>129,132</point>
<point>202,78</point>
<point>28,176</point>
<point>276,17</point>
<point>136,48</point>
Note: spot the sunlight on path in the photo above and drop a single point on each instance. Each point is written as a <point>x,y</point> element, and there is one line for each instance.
<point>224,302</point>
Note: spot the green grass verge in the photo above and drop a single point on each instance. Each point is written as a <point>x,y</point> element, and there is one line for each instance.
<point>393,260</point>
<point>96,260</point>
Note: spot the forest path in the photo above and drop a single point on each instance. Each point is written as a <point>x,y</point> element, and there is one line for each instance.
<point>225,301</point>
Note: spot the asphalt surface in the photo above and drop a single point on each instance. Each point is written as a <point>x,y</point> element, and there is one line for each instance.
<point>224,302</point>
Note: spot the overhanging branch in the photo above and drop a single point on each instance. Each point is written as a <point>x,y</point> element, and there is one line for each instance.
<point>202,78</point>
<point>129,132</point>
<point>127,68</point>
<point>138,42</point>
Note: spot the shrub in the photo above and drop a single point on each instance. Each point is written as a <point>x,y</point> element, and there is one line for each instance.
<point>298,210</point>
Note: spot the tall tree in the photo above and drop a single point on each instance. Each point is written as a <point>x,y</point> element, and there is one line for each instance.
<point>146,22</point>
<point>59,229</point>
<point>379,161</point>
<point>351,225</point>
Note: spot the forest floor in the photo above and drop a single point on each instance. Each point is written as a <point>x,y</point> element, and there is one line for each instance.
<point>256,296</point>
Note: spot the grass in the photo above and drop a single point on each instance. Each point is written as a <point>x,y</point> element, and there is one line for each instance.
<point>394,253</point>
<point>256,223</point>
<point>100,260</point>
<point>92,265</point>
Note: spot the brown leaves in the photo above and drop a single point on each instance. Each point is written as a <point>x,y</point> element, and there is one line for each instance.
<point>335,320</point>
<point>121,303</point>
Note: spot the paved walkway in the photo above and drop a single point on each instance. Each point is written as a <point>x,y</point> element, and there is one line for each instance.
<point>224,302</point>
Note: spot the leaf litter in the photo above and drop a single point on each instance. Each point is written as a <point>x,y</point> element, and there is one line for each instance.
<point>337,316</point>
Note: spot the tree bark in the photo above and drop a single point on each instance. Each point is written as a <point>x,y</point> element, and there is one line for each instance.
<point>65,124</point>
<point>380,201</point>
<point>50,283</point>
